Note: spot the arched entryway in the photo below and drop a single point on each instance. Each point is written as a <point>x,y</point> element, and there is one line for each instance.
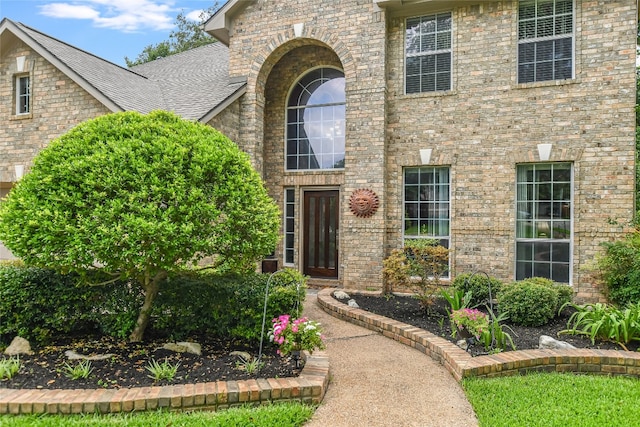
<point>304,151</point>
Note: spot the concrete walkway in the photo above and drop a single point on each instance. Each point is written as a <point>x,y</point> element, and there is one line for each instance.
<point>376,381</point>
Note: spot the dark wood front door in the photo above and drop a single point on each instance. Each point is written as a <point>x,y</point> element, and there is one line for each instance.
<point>321,221</point>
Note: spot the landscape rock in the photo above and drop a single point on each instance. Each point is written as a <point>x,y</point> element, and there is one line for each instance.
<point>184,347</point>
<point>18,346</point>
<point>353,303</point>
<point>341,295</point>
<point>73,355</point>
<point>242,355</point>
<point>463,344</point>
<point>549,343</point>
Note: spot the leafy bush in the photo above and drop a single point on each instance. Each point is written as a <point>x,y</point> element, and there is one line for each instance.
<point>528,303</point>
<point>478,285</point>
<point>564,291</point>
<point>620,269</point>
<point>225,305</point>
<point>37,303</point>
<point>419,266</point>
<point>143,197</point>
<point>188,303</point>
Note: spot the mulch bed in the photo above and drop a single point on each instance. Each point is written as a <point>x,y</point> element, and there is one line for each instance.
<point>408,310</point>
<point>127,368</point>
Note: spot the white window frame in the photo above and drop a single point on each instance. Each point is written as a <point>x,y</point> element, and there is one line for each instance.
<point>533,228</point>
<point>424,53</point>
<point>537,41</point>
<point>19,96</point>
<point>289,217</point>
<point>338,129</point>
<point>429,223</point>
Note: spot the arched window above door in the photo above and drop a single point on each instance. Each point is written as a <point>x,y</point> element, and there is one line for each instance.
<point>316,121</point>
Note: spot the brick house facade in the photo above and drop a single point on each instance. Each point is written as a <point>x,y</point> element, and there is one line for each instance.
<point>482,129</point>
<point>446,110</point>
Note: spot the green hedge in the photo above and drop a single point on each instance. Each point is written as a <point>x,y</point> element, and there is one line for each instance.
<point>225,305</point>
<point>38,304</point>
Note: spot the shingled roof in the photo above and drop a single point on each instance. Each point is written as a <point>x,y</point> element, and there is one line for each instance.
<point>193,84</point>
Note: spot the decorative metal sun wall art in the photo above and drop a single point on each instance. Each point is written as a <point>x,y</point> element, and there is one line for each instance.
<point>363,203</point>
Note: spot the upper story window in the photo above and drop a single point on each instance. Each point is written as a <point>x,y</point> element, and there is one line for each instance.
<point>428,53</point>
<point>545,40</point>
<point>23,94</point>
<point>316,121</point>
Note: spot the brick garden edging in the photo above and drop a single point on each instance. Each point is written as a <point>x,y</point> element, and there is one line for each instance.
<point>462,365</point>
<point>309,387</point>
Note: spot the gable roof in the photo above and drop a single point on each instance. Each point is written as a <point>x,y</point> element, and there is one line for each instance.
<point>116,87</point>
<point>192,83</point>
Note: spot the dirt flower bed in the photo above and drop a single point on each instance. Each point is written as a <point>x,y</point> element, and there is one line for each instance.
<point>408,310</point>
<point>127,367</point>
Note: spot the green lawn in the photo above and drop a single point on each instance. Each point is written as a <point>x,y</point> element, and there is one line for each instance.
<point>281,415</point>
<point>549,400</point>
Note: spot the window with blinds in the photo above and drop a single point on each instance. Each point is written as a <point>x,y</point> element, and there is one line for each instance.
<point>428,56</point>
<point>545,40</point>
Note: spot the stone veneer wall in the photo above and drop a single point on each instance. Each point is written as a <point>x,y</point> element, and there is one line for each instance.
<point>57,105</point>
<point>346,33</point>
<point>488,124</point>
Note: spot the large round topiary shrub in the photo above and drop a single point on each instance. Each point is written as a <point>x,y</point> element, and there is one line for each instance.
<point>140,197</point>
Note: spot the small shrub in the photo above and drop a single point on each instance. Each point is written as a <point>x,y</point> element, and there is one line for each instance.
<point>419,266</point>
<point>395,271</point>
<point>619,268</point>
<point>528,303</point>
<point>564,291</point>
<point>478,285</point>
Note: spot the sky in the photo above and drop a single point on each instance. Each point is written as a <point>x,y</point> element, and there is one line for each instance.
<point>110,29</point>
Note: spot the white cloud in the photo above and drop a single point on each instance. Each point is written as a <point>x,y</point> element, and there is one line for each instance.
<point>123,15</point>
<point>194,15</point>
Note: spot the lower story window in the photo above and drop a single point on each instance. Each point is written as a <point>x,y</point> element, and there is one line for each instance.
<point>289,218</point>
<point>544,221</point>
<point>426,204</point>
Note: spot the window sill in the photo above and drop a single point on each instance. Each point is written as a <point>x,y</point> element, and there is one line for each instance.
<point>436,94</point>
<point>546,83</point>
<point>313,171</point>
<point>21,116</point>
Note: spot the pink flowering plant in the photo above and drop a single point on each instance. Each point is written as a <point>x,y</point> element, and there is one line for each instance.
<point>470,319</point>
<point>296,335</point>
